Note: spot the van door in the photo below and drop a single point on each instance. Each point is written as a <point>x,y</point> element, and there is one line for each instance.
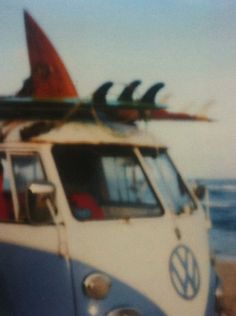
<point>117,229</point>
<point>34,278</point>
<point>189,260</point>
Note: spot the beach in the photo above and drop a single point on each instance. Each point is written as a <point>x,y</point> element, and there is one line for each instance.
<point>227,272</point>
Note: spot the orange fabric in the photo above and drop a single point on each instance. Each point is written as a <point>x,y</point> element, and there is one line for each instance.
<point>85,201</point>
<point>4,210</point>
<point>4,213</point>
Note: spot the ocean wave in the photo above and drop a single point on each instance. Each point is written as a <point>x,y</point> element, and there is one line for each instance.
<point>222,194</point>
<point>222,204</point>
<point>222,187</point>
<point>223,242</point>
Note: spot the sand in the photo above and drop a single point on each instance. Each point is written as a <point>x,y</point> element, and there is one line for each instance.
<point>227,272</point>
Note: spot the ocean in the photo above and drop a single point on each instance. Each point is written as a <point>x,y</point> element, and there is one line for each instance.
<point>222,236</point>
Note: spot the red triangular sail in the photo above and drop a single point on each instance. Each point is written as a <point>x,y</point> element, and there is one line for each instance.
<point>49,76</point>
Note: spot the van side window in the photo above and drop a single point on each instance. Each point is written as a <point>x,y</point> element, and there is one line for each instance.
<point>6,205</point>
<point>27,169</point>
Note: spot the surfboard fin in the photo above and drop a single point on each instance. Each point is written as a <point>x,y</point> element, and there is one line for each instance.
<point>127,93</point>
<point>150,94</point>
<point>99,95</point>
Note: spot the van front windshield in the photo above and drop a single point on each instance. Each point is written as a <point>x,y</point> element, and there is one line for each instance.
<point>169,183</point>
<point>105,182</point>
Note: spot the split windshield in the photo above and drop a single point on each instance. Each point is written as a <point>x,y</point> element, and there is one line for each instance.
<point>169,182</point>
<point>108,182</point>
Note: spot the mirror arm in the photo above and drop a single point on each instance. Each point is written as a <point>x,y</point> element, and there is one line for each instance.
<point>52,210</point>
<point>63,248</point>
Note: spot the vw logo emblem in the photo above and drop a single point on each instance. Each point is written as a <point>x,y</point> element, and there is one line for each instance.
<point>184,272</point>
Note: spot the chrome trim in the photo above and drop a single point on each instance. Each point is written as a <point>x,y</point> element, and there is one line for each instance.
<point>124,312</point>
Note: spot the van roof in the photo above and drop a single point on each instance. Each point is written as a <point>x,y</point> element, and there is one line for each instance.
<point>84,132</point>
<point>90,133</point>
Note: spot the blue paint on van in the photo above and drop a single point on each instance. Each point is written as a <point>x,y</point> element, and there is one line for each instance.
<point>35,282</point>
<point>211,307</point>
<point>121,295</point>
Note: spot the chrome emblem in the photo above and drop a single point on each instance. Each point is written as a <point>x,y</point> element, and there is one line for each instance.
<point>184,272</point>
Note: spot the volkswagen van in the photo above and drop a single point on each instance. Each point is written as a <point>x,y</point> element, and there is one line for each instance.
<point>98,221</point>
<point>95,218</point>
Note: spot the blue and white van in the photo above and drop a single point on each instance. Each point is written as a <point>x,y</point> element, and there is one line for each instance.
<point>99,222</point>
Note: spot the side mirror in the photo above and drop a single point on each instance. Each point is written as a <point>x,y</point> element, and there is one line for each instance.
<point>36,199</point>
<point>200,191</point>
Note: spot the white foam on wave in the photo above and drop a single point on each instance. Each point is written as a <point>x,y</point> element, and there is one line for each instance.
<point>220,204</point>
<point>222,187</point>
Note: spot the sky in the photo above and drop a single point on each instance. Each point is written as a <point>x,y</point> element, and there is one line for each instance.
<point>188,44</point>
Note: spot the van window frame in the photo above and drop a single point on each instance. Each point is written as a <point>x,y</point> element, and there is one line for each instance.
<point>188,191</point>
<point>16,207</point>
<point>186,186</point>
<point>137,152</point>
<point>110,146</point>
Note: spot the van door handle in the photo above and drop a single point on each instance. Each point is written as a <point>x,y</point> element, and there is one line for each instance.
<point>178,233</point>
